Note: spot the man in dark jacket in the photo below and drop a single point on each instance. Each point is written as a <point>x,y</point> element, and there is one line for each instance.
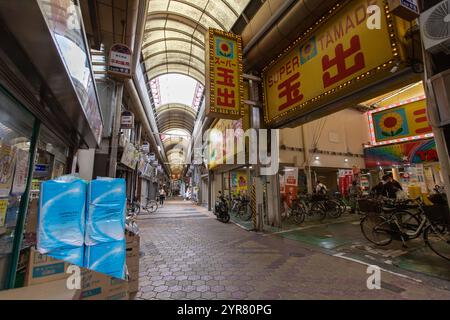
<point>391,186</point>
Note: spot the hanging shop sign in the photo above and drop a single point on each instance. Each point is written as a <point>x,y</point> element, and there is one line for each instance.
<point>219,140</point>
<point>151,156</point>
<point>130,156</point>
<point>400,122</point>
<point>406,9</point>
<point>419,151</point>
<point>119,65</point>
<point>127,120</point>
<point>21,172</point>
<point>224,82</point>
<point>333,59</point>
<point>145,147</point>
<point>7,164</point>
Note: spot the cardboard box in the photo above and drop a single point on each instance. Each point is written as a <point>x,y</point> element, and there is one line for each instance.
<point>132,261</point>
<point>43,268</point>
<point>99,286</point>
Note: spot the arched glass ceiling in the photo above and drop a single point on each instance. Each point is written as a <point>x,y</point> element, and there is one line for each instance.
<point>174,40</point>
<point>176,88</point>
<point>174,55</point>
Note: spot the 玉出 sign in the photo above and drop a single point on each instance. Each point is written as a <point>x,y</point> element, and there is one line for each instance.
<point>396,123</point>
<point>120,61</point>
<point>224,91</point>
<point>338,56</point>
<point>127,120</point>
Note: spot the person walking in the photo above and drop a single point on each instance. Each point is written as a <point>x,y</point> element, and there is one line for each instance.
<point>354,192</point>
<point>162,196</point>
<point>320,189</point>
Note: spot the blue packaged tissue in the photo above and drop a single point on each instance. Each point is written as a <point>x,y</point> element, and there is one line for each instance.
<point>71,255</point>
<point>107,258</point>
<point>105,217</point>
<point>61,222</point>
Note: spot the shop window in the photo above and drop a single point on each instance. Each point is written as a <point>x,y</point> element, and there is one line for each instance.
<point>16,127</point>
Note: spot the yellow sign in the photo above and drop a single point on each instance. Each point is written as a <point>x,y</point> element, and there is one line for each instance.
<point>408,120</point>
<point>3,209</point>
<point>219,140</point>
<point>329,61</point>
<point>224,87</point>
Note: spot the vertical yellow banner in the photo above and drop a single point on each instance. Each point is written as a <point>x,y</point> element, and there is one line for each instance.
<point>224,82</point>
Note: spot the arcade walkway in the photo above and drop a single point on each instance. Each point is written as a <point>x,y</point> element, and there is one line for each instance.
<point>187,254</point>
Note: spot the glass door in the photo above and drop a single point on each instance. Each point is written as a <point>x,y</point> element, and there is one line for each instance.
<point>16,130</point>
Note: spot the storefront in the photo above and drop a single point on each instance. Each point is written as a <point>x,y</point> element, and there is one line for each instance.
<point>49,109</point>
<point>402,141</point>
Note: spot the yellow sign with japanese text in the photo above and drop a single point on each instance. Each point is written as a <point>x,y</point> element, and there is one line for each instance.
<point>220,141</point>
<point>408,120</point>
<point>344,52</point>
<point>224,82</point>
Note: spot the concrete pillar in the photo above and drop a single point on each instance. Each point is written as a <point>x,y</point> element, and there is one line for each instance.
<point>86,163</point>
<point>273,200</point>
<point>115,130</point>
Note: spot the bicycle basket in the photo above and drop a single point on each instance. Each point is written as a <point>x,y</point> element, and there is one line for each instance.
<point>437,213</point>
<point>369,206</point>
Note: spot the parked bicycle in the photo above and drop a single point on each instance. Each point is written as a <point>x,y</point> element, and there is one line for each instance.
<point>151,206</point>
<point>387,221</point>
<point>239,207</point>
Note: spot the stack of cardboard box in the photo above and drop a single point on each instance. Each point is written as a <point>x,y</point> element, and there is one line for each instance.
<point>132,261</point>
<point>44,270</point>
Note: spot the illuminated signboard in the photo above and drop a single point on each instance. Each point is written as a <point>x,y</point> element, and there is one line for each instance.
<point>413,152</point>
<point>403,121</point>
<point>219,140</point>
<point>224,88</point>
<point>333,58</point>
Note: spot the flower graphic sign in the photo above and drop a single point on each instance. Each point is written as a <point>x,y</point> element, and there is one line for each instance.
<point>391,124</point>
<point>401,122</point>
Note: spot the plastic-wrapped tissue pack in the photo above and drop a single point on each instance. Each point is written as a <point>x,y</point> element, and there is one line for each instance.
<point>105,217</point>
<point>62,207</point>
<point>108,258</point>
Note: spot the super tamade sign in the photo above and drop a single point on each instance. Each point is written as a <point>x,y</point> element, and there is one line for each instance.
<point>341,53</point>
<point>224,82</point>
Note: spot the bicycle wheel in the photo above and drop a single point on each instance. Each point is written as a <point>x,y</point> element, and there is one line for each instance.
<point>437,238</point>
<point>376,229</point>
<point>318,209</point>
<point>333,208</point>
<point>409,224</point>
<point>152,206</point>
<point>299,215</point>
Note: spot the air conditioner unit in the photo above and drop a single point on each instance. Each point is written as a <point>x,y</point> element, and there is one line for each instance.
<point>435,28</point>
<point>440,102</point>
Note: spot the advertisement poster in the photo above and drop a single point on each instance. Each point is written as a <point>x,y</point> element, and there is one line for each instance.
<point>7,162</point>
<point>238,183</point>
<point>3,208</point>
<point>289,185</point>
<point>21,172</point>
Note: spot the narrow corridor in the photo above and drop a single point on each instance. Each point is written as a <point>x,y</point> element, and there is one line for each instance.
<point>187,254</point>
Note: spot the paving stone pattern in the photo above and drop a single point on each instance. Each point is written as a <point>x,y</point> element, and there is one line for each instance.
<point>194,256</point>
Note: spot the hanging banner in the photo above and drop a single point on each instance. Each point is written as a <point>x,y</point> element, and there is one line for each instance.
<point>127,120</point>
<point>21,172</point>
<point>7,164</point>
<point>396,123</point>
<point>120,64</point>
<point>130,156</point>
<point>219,140</point>
<point>224,82</point>
<point>333,59</point>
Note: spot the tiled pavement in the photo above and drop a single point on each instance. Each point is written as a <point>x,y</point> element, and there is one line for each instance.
<point>187,254</point>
